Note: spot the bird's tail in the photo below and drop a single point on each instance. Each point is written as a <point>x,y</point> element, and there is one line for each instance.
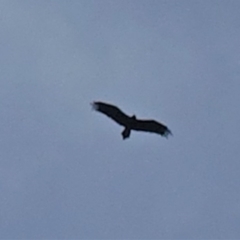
<point>126,133</point>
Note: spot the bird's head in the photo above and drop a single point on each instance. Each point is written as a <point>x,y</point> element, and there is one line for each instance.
<point>134,117</point>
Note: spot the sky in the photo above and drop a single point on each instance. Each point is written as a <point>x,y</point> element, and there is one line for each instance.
<point>66,173</point>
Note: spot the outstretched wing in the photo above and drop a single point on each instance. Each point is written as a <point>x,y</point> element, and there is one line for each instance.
<point>111,111</point>
<point>151,126</point>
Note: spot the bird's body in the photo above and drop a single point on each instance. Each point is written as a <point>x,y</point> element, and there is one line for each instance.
<point>130,123</point>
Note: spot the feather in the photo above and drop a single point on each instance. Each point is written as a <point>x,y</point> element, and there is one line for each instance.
<point>111,111</point>
<point>130,123</point>
<point>151,126</point>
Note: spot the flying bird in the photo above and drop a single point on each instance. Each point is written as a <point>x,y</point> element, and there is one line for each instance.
<point>130,123</point>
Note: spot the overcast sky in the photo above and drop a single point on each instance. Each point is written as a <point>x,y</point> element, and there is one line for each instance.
<point>65,171</point>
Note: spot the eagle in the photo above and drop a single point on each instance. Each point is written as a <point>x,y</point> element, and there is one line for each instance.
<point>130,123</point>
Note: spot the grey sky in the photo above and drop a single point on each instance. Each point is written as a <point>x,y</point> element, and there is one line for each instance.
<point>65,171</point>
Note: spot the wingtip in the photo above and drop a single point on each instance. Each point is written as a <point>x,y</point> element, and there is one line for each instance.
<point>167,133</point>
<point>94,105</point>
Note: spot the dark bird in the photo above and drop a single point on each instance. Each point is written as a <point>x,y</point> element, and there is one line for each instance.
<point>130,123</point>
